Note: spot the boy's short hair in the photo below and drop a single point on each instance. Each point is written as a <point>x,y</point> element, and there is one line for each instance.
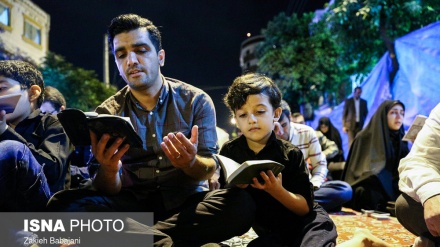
<point>250,84</point>
<point>25,73</point>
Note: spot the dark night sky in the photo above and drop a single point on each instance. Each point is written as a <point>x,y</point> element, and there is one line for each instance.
<point>201,38</point>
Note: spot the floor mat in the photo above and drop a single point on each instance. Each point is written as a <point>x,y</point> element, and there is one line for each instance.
<point>389,230</point>
<point>347,221</point>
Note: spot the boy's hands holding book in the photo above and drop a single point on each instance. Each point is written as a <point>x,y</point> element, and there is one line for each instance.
<point>270,183</point>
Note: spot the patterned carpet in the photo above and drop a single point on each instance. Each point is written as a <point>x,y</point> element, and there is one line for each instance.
<point>389,230</point>
<point>347,221</point>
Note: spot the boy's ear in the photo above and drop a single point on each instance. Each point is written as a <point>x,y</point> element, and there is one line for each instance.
<point>34,92</point>
<point>277,114</point>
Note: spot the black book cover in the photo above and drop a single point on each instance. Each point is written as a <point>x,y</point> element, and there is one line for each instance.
<point>76,124</point>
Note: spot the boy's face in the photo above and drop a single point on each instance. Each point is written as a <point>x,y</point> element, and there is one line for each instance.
<point>23,109</point>
<point>256,119</point>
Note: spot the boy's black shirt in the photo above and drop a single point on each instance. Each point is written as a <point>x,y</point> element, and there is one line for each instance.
<point>45,137</point>
<point>295,176</point>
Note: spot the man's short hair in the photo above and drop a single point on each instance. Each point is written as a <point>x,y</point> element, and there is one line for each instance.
<point>128,22</point>
<point>285,110</point>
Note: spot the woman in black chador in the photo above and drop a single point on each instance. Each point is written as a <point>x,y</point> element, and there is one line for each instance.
<point>371,166</point>
<point>330,131</point>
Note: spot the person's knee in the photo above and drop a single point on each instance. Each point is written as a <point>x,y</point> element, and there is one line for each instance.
<point>236,204</point>
<point>12,152</point>
<point>18,164</point>
<point>406,206</point>
<point>241,200</point>
<point>401,206</point>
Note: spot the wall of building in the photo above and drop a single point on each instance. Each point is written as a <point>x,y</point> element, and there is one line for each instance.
<point>25,16</point>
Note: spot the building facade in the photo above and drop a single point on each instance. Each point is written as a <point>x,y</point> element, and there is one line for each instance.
<point>248,60</point>
<point>24,31</point>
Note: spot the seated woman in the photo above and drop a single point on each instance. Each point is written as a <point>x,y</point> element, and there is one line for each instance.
<point>330,131</point>
<point>371,166</point>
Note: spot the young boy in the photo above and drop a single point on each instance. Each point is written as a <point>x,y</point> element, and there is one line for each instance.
<point>33,146</point>
<point>286,214</point>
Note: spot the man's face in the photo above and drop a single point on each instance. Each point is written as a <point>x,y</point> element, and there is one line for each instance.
<point>137,60</point>
<point>23,108</point>
<point>48,107</point>
<point>285,125</point>
<point>357,93</point>
<point>299,120</point>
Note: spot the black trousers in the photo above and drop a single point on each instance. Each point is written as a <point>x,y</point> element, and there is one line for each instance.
<point>314,229</point>
<point>205,217</point>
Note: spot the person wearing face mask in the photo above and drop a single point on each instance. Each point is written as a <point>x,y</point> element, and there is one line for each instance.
<point>372,162</point>
<point>33,146</point>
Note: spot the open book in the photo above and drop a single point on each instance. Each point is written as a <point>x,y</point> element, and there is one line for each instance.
<point>77,123</point>
<point>236,173</point>
<point>414,129</point>
<point>8,102</point>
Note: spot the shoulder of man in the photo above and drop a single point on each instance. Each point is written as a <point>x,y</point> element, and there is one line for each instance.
<point>302,128</point>
<point>114,103</point>
<point>183,86</point>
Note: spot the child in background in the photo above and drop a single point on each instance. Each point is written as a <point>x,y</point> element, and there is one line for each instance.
<point>286,214</point>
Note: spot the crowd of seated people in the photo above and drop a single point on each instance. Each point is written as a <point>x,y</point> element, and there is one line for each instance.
<point>181,161</point>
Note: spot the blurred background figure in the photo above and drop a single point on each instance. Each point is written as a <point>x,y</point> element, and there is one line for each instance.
<point>373,159</point>
<point>298,118</point>
<point>330,194</point>
<point>326,127</point>
<point>53,101</point>
<point>354,114</point>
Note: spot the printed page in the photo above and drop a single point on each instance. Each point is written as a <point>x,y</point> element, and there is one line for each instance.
<point>414,129</point>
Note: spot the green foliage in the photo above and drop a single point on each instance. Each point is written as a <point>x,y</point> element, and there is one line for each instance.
<point>301,57</point>
<point>308,59</point>
<point>368,28</point>
<point>80,87</point>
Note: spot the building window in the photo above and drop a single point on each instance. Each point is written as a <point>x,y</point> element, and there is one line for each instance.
<point>5,15</point>
<point>32,32</point>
